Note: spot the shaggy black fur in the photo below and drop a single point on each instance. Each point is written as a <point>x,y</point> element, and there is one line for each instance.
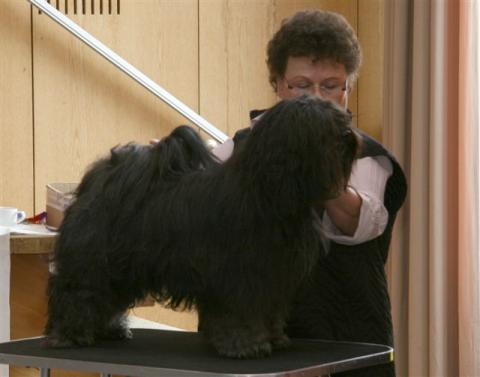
<point>233,240</point>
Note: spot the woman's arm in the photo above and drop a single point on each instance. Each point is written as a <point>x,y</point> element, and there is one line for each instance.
<point>358,214</point>
<point>224,151</point>
<point>344,211</point>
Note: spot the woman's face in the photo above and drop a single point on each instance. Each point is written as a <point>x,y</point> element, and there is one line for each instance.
<point>322,78</point>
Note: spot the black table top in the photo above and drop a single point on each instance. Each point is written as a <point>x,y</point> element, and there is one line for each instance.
<point>176,353</point>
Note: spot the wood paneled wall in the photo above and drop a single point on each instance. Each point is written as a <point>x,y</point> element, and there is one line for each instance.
<point>62,105</point>
<point>370,85</point>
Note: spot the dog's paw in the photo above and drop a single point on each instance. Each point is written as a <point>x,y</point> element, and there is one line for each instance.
<point>118,333</point>
<point>250,351</point>
<point>280,341</point>
<point>56,342</point>
<point>59,341</point>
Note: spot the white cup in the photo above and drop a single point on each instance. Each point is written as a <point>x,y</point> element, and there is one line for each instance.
<point>10,216</point>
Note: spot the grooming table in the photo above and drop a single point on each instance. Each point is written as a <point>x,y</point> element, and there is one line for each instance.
<point>157,353</point>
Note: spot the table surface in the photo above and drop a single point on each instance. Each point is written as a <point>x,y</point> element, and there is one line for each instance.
<point>31,244</point>
<point>175,353</point>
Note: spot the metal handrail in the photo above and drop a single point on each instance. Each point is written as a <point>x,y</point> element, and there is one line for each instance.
<point>129,69</point>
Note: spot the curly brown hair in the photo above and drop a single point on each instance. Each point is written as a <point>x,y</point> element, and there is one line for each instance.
<point>316,33</point>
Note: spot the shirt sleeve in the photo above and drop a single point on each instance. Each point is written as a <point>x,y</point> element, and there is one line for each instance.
<point>224,150</point>
<point>369,177</point>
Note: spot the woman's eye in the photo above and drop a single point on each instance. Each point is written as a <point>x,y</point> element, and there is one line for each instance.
<point>304,85</point>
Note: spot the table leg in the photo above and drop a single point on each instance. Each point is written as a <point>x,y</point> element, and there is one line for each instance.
<point>44,372</point>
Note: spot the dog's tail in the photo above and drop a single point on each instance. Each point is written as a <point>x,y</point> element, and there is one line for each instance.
<point>133,170</point>
<point>183,151</point>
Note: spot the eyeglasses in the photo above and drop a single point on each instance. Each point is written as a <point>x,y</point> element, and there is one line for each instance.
<point>326,90</point>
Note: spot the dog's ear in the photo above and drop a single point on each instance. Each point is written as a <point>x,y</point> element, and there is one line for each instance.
<point>302,147</point>
<point>321,143</point>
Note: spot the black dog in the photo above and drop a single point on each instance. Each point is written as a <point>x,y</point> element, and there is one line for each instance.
<point>233,240</point>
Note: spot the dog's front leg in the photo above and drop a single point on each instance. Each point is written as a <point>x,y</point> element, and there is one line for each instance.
<point>278,338</point>
<point>236,337</point>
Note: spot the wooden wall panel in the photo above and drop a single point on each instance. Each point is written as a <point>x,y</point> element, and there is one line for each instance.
<point>370,86</point>
<point>285,8</point>
<point>233,74</point>
<point>84,105</point>
<point>16,137</point>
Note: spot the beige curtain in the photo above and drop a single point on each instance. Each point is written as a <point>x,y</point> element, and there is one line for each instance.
<point>469,188</point>
<point>431,125</point>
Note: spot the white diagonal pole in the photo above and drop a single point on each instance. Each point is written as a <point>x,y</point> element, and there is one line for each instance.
<point>129,69</point>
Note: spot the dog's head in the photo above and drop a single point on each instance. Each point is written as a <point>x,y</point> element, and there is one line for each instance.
<point>303,146</point>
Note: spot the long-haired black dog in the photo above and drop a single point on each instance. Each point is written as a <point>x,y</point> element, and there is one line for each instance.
<point>233,240</point>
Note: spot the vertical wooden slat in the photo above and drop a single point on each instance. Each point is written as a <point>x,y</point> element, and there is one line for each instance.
<point>16,136</point>
<point>233,75</point>
<point>370,86</point>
